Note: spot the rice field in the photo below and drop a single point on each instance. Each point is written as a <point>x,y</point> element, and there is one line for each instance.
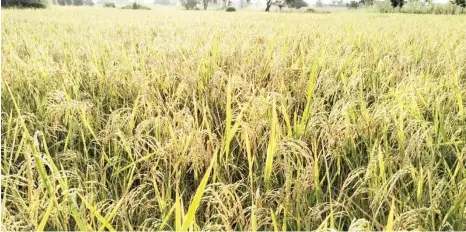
<point>176,120</point>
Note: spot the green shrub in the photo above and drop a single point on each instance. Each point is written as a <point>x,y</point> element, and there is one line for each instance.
<point>230,9</point>
<point>448,8</point>
<point>384,7</point>
<point>415,8</point>
<point>310,10</point>
<point>109,4</point>
<point>135,6</point>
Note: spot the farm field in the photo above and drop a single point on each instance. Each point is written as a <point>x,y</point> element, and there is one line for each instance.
<point>191,120</point>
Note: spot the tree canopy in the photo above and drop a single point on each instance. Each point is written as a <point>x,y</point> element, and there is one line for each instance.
<point>25,3</point>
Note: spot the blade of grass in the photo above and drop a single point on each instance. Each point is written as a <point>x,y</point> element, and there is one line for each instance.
<point>45,218</point>
<point>96,213</point>
<point>197,197</point>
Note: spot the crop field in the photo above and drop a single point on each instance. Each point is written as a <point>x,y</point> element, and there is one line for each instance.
<point>206,120</point>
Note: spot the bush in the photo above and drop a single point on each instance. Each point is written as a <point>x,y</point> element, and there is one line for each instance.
<point>310,10</point>
<point>109,4</point>
<point>416,8</point>
<point>230,9</point>
<point>135,6</point>
<point>196,8</point>
<point>384,7</point>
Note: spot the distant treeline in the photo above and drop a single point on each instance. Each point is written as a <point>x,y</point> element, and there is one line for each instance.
<point>422,7</point>
<point>387,6</point>
<point>24,3</point>
<point>44,3</point>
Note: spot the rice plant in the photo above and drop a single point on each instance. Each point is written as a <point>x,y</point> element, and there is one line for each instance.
<point>184,120</point>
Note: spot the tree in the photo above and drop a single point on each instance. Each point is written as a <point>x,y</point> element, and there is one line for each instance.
<point>226,3</point>
<point>89,3</point>
<point>319,3</point>
<point>78,2</point>
<point>109,4</point>
<point>205,3</point>
<point>280,5</point>
<point>269,4</point>
<point>64,2</point>
<point>297,4</point>
<point>25,3</point>
<point>397,3</point>
<point>189,4</point>
<point>352,5</point>
<point>461,3</point>
<point>243,3</point>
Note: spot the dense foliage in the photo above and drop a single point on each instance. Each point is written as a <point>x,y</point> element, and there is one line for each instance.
<point>25,3</point>
<point>296,4</point>
<point>109,4</point>
<point>397,3</point>
<point>353,5</point>
<point>189,4</point>
<point>461,3</point>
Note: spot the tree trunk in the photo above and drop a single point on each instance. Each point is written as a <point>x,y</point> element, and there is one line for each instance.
<point>206,3</point>
<point>269,4</point>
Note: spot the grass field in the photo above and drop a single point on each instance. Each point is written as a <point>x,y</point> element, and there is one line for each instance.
<point>161,120</point>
